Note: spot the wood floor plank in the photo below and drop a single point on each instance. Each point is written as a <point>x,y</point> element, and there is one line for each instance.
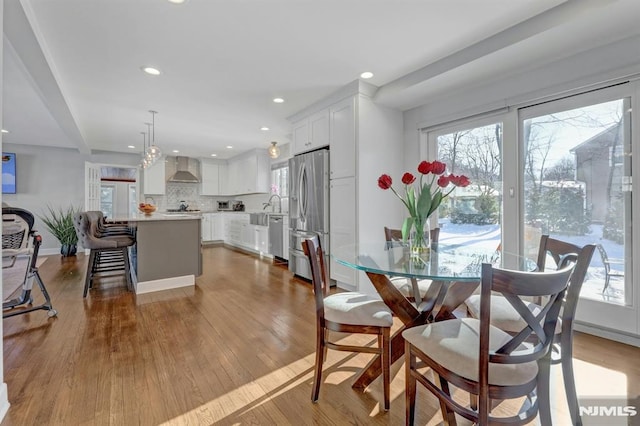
<point>236,349</point>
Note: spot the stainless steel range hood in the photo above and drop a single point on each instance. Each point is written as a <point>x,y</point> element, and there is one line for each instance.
<point>182,173</point>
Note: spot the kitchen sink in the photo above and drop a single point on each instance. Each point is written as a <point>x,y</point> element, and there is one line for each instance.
<point>261,219</point>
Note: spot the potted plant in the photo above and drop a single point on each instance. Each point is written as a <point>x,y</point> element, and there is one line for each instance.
<point>60,223</point>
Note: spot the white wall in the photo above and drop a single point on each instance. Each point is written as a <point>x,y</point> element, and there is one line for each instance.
<point>53,177</point>
<point>4,398</point>
<point>607,64</point>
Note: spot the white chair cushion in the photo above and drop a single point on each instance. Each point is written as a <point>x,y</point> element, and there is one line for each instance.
<point>358,309</point>
<point>503,314</point>
<point>405,287</point>
<point>455,344</point>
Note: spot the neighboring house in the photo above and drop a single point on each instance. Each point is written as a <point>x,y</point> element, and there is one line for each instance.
<point>599,165</point>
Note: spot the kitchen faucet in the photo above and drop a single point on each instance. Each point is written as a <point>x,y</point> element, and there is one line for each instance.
<point>268,203</point>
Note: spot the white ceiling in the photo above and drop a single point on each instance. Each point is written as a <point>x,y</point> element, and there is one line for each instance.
<point>72,73</point>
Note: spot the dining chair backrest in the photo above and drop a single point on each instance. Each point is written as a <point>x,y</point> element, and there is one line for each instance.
<point>313,250</point>
<point>395,235</point>
<point>539,333</point>
<point>563,252</point>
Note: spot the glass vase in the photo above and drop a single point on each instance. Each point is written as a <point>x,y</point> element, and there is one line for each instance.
<point>420,242</point>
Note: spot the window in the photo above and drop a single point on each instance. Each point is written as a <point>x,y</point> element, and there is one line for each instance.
<point>106,199</point>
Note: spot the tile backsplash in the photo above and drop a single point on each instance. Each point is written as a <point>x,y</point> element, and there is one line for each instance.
<point>190,193</point>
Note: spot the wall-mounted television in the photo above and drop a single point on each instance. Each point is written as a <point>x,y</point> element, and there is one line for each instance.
<point>8,173</point>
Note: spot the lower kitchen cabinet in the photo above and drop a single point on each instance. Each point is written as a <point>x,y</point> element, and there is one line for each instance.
<point>206,227</point>
<point>213,228</point>
<point>261,239</point>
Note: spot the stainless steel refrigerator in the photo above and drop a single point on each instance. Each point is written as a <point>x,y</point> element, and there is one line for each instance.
<point>308,206</point>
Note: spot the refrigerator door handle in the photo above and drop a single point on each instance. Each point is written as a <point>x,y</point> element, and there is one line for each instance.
<point>302,182</point>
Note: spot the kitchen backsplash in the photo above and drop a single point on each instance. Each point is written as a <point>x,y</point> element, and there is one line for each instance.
<point>190,193</point>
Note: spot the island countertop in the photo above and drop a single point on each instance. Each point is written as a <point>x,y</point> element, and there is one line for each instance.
<point>156,216</point>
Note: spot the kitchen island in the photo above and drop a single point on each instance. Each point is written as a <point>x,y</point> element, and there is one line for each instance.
<point>167,253</point>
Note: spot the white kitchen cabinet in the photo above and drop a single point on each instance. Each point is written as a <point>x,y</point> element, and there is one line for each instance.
<point>210,184</point>
<point>217,227</point>
<point>311,132</point>
<point>261,239</point>
<point>213,228</point>
<point>248,173</point>
<point>343,227</point>
<point>238,229</point>
<point>206,227</point>
<point>364,139</point>
<point>343,136</point>
<point>154,178</point>
<point>247,236</point>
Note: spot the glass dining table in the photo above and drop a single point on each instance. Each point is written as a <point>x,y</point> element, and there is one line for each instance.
<point>454,271</point>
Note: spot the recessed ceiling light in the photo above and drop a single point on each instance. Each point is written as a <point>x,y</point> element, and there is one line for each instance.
<point>278,100</point>
<point>214,155</point>
<point>177,1</point>
<point>366,74</point>
<point>229,147</point>
<point>264,128</point>
<point>176,151</point>
<point>151,70</point>
<point>5,131</point>
<point>131,147</point>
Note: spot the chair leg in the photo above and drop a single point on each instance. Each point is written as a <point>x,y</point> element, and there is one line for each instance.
<point>90,266</point>
<point>321,350</point>
<point>606,282</point>
<point>385,346</point>
<point>448,415</point>
<point>127,268</point>
<point>410,384</point>
<point>566,358</point>
<point>542,389</point>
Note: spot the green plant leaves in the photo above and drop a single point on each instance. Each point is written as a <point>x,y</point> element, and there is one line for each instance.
<point>60,223</point>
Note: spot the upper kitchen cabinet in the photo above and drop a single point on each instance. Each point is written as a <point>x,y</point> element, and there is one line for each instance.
<point>154,178</point>
<point>342,117</point>
<point>211,182</point>
<point>311,132</point>
<point>248,173</point>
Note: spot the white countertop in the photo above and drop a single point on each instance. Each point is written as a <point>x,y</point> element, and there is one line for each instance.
<point>156,216</point>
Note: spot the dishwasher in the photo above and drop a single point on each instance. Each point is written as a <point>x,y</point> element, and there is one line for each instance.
<point>275,236</point>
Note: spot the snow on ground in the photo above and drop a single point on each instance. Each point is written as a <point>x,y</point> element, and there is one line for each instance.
<point>488,236</point>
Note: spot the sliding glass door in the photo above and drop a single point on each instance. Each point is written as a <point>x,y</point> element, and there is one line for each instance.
<point>576,170</point>
<point>563,168</point>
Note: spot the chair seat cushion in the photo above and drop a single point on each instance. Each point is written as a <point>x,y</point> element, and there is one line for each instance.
<point>405,287</point>
<point>503,314</point>
<point>454,344</point>
<point>358,309</point>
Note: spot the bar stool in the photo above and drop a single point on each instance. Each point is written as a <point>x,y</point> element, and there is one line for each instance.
<point>108,229</point>
<point>107,254</point>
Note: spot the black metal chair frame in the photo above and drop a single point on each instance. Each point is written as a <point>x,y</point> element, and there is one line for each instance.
<point>15,244</point>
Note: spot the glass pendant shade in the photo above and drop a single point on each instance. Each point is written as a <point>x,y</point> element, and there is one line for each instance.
<point>274,151</point>
<point>153,151</point>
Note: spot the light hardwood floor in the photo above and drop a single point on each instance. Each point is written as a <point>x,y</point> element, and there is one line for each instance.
<point>238,349</point>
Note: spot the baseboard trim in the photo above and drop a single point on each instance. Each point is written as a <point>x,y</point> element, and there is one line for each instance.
<point>4,401</point>
<point>608,334</point>
<point>143,287</point>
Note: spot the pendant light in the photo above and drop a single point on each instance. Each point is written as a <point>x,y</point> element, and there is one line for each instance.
<point>153,151</point>
<point>274,151</point>
<point>144,162</point>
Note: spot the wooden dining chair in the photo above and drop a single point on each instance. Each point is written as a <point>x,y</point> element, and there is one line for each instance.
<point>405,285</point>
<point>346,312</point>
<point>507,319</point>
<point>485,361</point>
